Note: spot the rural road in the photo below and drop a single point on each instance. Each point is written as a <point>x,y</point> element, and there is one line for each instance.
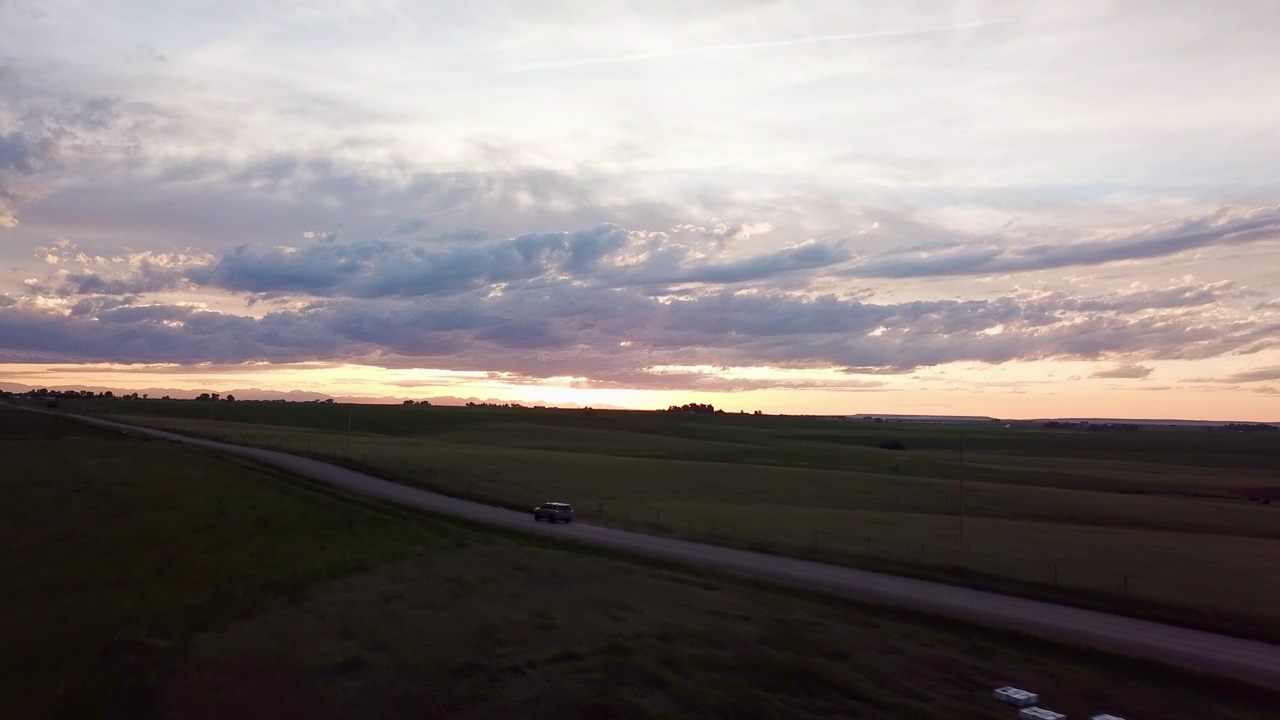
<point>1248,660</point>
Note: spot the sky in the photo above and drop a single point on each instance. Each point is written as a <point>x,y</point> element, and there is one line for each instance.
<point>1014,209</point>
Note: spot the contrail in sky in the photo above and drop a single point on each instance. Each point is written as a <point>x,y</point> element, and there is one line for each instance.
<point>704,49</point>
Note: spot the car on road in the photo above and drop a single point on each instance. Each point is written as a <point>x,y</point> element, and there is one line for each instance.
<point>554,511</point>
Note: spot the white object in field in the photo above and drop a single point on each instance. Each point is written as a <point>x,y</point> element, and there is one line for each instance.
<point>1105,716</point>
<point>1016,697</point>
<point>1039,713</point>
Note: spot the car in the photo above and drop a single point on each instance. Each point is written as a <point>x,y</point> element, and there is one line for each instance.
<point>554,511</point>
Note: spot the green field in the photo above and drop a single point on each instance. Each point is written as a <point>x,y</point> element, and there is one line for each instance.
<point>1156,522</point>
<point>148,579</point>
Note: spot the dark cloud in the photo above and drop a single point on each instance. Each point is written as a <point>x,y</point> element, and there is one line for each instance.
<point>543,328</point>
<point>326,267</point>
<point>95,113</point>
<point>23,154</point>
<point>672,266</point>
<point>984,257</point>
<point>886,370</point>
<point>600,303</point>
<point>410,226</point>
<point>1135,372</point>
<point>41,137</point>
<point>90,283</point>
<point>379,268</point>
<point>1186,295</point>
<point>93,306</point>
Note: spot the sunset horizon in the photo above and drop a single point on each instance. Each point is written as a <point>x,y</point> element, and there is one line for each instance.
<point>1017,211</point>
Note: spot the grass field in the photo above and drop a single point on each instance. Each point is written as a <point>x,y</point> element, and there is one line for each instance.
<point>146,579</point>
<point>1155,523</point>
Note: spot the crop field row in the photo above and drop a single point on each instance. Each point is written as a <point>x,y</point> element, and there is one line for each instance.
<point>1174,542</point>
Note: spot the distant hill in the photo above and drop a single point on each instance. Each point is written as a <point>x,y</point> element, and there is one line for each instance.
<point>922,418</point>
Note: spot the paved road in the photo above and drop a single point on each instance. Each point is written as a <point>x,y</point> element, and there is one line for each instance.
<point>1251,661</point>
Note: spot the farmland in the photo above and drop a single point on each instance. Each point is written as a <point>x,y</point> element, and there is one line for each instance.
<point>1156,523</point>
<point>148,579</point>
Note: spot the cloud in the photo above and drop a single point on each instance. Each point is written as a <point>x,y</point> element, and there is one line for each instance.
<point>132,273</point>
<point>603,302</point>
<point>1123,371</point>
<point>604,255</point>
<point>98,304</point>
<point>380,268</point>
<point>746,46</point>
<point>676,265</point>
<point>20,155</point>
<point>38,138</point>
<point>987,257</point>
<point>23,154</point>
<point>411,225</point>
<point>1254,375</point>
<point>396,225</point>
<point>1137,299</point>
<point>562,327</point>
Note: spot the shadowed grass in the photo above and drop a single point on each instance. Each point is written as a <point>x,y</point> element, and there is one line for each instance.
<point>115,543</point>
<point>509,631</point>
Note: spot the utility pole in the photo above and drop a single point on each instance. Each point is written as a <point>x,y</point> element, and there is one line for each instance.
<point>963,556</point>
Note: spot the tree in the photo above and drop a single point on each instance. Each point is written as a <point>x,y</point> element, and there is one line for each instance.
<point>696,408</point>
<point>231,398</point>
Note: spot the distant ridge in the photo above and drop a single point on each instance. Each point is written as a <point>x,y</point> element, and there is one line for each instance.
<point>1075,420</point>
<point>922,418</point>
<point>1140,421</point>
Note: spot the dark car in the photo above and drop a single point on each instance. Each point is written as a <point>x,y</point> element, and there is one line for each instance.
<point>555,512</point>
